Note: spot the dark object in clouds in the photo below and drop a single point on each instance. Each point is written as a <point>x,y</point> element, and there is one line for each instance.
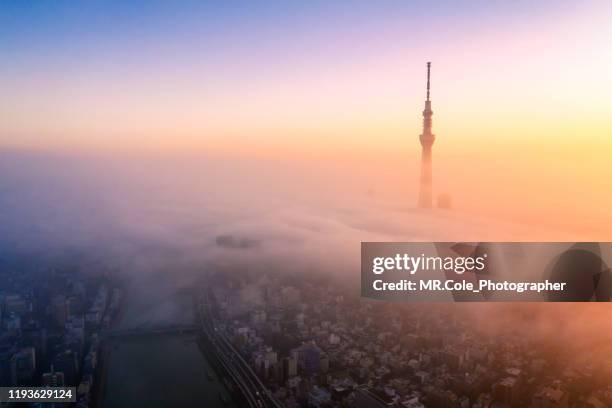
<point>232,242</point>
<point>586,274</point>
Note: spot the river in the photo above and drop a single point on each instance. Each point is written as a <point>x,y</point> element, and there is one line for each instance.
<point>159,370</point>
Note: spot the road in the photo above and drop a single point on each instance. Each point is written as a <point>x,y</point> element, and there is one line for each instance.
<point>256,393</point>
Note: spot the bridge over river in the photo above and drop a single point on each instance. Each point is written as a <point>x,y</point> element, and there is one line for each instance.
<point>153,331</point>
<point>155,343</point>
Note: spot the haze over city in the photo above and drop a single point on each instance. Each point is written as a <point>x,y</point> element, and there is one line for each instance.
<point>165,142</point>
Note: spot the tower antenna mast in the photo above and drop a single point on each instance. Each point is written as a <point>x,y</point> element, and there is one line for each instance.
<point>428,74</point>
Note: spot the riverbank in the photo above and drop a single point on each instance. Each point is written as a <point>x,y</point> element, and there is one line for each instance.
<point>99,385</point>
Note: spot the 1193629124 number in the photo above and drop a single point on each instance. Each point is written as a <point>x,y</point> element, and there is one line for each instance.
<point>48,393</point>
<point>36,394</point>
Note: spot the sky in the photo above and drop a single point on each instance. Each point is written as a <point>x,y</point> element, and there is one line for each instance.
<point>156,127</point>
<point>520,90</point>
<point>281,77</point>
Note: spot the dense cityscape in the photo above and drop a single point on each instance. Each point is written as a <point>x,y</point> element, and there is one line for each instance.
<point>52,324</point>
<point>293,341</point>
<point>317,347</point>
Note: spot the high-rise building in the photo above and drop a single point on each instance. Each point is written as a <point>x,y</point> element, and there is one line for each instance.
<point>23,366</point>
<point>289,368</point>
<point>324,363</point>
<point>67,362</point>
<point>58,310</point>
<point>53,378</point>
<point>427,139</point>
<point>308,358</point>
<point>15,303</point>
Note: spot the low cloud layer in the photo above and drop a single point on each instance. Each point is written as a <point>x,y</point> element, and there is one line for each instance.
<point>161,222</point>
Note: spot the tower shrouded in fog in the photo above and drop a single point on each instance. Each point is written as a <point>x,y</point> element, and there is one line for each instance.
<point>427,139</point>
